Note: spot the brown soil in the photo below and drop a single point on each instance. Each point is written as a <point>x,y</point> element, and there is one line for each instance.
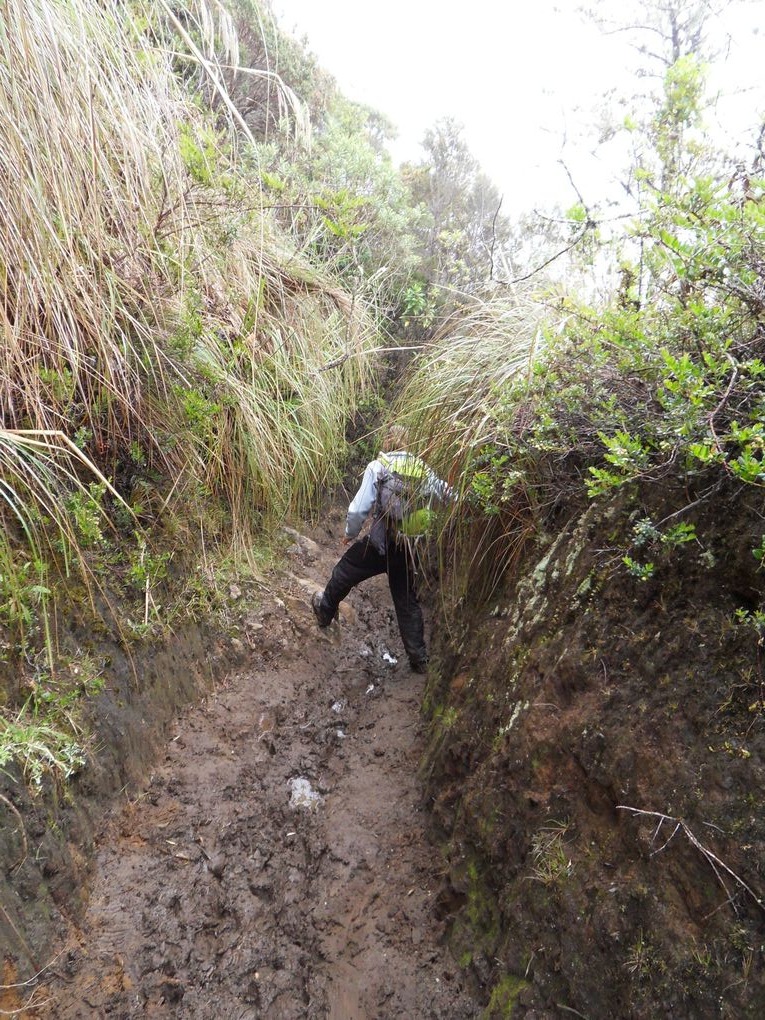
<point>216,895</point>
<point>597,756</point>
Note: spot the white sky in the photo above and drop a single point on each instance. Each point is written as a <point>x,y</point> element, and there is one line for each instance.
<point>523,76</point>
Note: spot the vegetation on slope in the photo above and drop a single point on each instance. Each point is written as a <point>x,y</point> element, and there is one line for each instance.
<point>540,395</point>
<point>173,372</point>
<point>191,296</point>
<point>606,704</point>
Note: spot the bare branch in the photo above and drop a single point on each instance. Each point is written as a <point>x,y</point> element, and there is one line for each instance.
<point>547,262</point>
<point>16,812</point>
<point>714,861</point>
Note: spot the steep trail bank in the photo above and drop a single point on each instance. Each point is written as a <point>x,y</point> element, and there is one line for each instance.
<point>275,864</point>
<point>597,763</point>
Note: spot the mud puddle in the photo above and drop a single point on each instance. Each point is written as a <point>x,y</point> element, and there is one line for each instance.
<point>275,863</point>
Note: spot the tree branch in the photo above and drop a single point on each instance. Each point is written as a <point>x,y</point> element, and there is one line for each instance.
<point>714,861</point>
<point>546,263</point>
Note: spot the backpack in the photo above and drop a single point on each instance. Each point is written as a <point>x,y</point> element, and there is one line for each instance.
<point>402,501</point>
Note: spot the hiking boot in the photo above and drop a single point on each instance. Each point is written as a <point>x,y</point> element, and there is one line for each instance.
<point>319,612</point>
<point>419,665</point>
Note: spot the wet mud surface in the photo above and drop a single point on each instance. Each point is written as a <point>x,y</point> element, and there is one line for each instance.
<point>275,863</point>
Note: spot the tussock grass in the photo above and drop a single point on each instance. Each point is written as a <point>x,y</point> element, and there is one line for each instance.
<point>160,340</point>
<point>456,397</point>
<point>280,382</point>
<point>463,406</point>
<point>121,211</point>
<point>82,136</point>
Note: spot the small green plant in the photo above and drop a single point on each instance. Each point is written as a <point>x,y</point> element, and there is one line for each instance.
<point>199,412</point>
<point>754,620</point>
<point>85,508</point>
<point>702,956</point>
<point>341,214</point>
<point>641,960</point>
<point>47,737</point>
<point>39,748</point>
<point>628,454</point>
<point>551,862</point>
<point>200,153</point>
<point>418,307</point>
<point>146,569</point>
<point>448,717</point>
<point>59,383</point>
<point>647,535</point>
<point>644,533</point>
<point>640,571</point>
<point>24,590</point>
<point>60,698</point>
<point>137,454</point>
<point>679,534</point>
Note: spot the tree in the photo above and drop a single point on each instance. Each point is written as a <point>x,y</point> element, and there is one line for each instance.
<point>663,31</point>
<point>676,41</point>
<point>465,223</point>
<point>345,202</point>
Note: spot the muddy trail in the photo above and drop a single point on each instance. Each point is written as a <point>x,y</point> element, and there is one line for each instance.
<point>276,862</point>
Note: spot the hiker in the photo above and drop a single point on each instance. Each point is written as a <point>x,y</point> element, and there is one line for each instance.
<point>398,488</point>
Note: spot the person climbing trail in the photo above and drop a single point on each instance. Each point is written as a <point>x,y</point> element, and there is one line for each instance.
<point>399,489</point>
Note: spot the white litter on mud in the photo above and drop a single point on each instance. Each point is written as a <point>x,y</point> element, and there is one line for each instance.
<point>387,657</point>
<point>338,707</point>
<point>303,794</point>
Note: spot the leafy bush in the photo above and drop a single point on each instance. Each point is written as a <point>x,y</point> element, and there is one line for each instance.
<point>661,383</point>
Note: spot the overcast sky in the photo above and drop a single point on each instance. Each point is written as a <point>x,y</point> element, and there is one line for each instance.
<point>526,79</point>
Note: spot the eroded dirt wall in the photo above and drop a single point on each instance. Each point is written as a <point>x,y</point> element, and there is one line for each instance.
<point>595,767</point>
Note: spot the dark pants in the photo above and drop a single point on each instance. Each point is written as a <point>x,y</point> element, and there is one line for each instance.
<point>362,561</point>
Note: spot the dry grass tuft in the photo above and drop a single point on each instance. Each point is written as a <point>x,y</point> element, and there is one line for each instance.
<point>121,221</point>
<point>158,334</point>
<point>464,407</point>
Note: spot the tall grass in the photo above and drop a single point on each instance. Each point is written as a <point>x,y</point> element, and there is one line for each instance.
<point>158,335</point>
<point>280,382</point>
<point>84,129</point>
<point>464,409</point>
<point>122,206</point>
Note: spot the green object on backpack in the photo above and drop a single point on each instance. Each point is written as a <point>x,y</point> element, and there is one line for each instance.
<point>403,500</point>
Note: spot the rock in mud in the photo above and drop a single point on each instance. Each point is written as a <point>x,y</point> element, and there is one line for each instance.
<point>217,865</point>
<point>303,795</point>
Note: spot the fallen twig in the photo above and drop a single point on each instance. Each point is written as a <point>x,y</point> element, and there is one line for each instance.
<point>714,861</point>
<point>31,981</point>
<point>15,810</point>
<point>568,1009</point>
<point>29,1004</point>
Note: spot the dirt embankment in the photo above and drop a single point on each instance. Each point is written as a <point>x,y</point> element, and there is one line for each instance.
<point>274,863</point>
<point>596,762</point>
